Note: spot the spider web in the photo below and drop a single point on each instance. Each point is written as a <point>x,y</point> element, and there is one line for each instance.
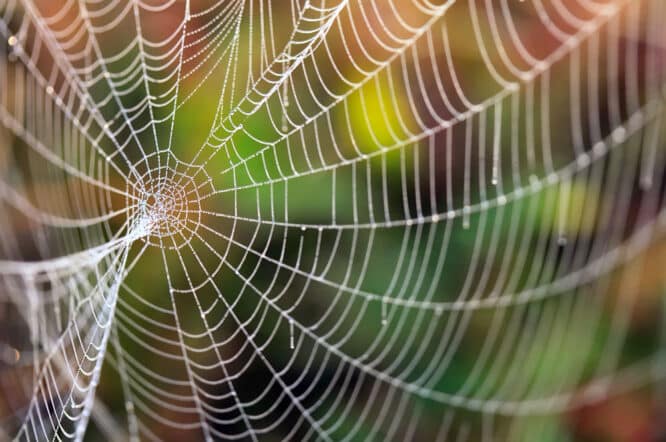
<point>327,219</point>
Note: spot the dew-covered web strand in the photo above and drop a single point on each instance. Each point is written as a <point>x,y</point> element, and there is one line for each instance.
<point>464,116</point>
<point>73,77</point>
<point>174,207</point>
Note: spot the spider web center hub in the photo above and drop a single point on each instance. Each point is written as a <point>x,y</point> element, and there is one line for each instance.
<point>168,211</point>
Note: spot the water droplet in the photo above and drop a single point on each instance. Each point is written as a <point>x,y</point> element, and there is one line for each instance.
<point>497,140</point>
<point>563,213</point>
<point>619,134</point>
<point>285,93</point>
<point>466,212</point>
<point>291,334</point>
<point>583,160</point>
